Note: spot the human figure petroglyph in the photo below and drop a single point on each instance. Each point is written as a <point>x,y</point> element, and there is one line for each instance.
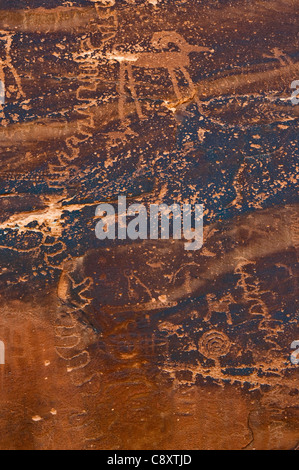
<point>6,65</point>
<point>173,61</point>
<point>251,289</point>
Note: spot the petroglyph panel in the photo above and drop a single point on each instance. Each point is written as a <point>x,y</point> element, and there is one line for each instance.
<point>120,344</point>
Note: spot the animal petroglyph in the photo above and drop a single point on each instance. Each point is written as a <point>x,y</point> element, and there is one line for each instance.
<point>173,61</point>
<point>279,55</point>
<point>222,306</point>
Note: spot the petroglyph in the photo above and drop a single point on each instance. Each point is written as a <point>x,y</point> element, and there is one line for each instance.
<point>172,61</point>
<point>222,305</point>
<point>87,59</point>
<point>251,289</point>
<point>7,67</point>
<point>162,102</point>
<point>214,344</point>
<point>279,55</point>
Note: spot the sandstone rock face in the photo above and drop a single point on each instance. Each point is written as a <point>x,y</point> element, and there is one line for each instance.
<point>121,344</point>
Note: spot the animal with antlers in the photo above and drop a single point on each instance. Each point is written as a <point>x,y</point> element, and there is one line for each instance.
<point>173,61</point>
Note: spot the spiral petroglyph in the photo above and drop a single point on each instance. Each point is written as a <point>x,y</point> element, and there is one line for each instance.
<point>214,344</point>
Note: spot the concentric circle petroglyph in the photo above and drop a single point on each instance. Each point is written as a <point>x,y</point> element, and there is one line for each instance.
<point>214,344</point>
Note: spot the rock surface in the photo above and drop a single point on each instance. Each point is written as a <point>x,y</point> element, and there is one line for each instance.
<point>143,345</point>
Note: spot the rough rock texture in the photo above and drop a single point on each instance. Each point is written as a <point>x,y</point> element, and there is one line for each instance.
<point>143,345</point>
